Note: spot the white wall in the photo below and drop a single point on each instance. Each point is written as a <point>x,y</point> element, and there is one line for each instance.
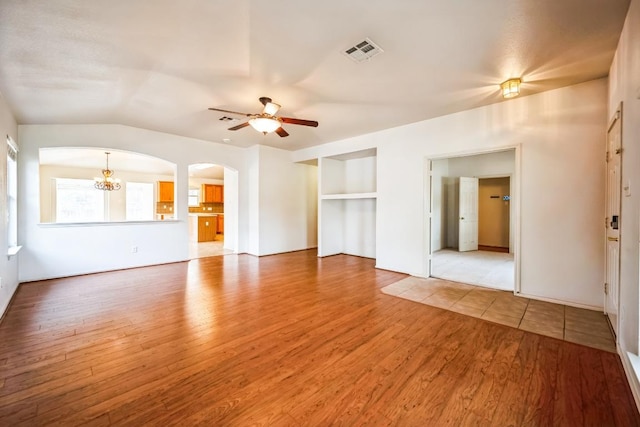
<point>439,198</point>
<point>230,209</point>
<point>287,202</point>
<point>561,135</point>
<point>64,250</point>
<point>624,87</point>
<point>8,267</point>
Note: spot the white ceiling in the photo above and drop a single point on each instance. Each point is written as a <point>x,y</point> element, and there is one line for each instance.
<point>158,64</point>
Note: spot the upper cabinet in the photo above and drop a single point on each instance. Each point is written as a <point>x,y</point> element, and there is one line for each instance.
<point>212,193</point>
<point>165,191</point>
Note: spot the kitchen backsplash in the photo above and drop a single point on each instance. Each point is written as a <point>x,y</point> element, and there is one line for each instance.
<point>164,207</point>
<point>204,207</point>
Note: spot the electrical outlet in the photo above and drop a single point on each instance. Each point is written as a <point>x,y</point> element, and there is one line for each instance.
<point>134,249</point>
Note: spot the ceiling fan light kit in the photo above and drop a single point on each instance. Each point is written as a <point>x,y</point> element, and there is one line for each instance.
<point>264,124</point>
<point>267,121</point>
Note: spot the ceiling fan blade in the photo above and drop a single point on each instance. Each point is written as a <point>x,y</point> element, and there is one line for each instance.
<point>240,126</point>
<point>302,122</point>
<point>229,111</point>
<point>281,132</point>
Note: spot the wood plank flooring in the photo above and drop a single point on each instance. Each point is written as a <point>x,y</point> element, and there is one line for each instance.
<point>283,340</point>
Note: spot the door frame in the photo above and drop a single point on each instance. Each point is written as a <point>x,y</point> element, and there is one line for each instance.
<point>511,220</point>
<point>617,117</point>
<point>516,191</point>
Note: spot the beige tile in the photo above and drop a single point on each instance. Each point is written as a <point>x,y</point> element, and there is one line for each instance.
<point>475,301</point>
<point>457,285</point>
<point>454,294</point>
<point>512,301</point>
<point>552,320</point>
<point>406,283</point>
<point>545,307</point>
<point>393,290</point>
<point>590,327</point>
<point>541,328</point>
<point>416,293</point>
<point>503,319</point>
<point>511,312</point>
<point>583,314</point>
<point>590,340</point>
<point>467,310</point>
<point>436,300</point>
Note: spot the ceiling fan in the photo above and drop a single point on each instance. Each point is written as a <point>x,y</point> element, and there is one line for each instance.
<point>267,121</point>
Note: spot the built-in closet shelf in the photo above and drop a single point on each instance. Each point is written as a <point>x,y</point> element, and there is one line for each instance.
<point>347,196</point>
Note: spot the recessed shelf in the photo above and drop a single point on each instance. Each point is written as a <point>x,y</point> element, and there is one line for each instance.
<point>344,196</point>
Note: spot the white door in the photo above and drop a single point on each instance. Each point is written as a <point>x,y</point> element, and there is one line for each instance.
<point>612,261</point>
<point>468,215</point>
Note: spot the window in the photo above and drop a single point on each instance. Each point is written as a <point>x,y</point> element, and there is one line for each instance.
<point>139,201</point>
<point>12,193</point>
<point>194,197</point>
<point>77,200</point>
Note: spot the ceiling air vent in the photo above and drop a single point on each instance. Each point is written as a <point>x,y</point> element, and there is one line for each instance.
<point>364,50</point>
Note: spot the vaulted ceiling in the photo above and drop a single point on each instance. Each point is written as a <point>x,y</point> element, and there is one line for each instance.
<point>159,64</point>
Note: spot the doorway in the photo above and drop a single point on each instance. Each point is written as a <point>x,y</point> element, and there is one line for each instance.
<point>494,198</point>
<point>472,219</point>
<point>210,211</point>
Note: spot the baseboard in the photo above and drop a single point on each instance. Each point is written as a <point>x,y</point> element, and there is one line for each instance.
<point>563,302</point>
<point>5,309</point>
<point>631,365</point>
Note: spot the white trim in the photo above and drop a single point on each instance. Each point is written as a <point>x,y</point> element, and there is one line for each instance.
<point>516,182</point>
<point>105,223</point>
<point>563,302</point>
<point>631,366</point>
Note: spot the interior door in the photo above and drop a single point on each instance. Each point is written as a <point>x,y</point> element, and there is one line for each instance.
<point>612,261</point>
<point>468,214</point>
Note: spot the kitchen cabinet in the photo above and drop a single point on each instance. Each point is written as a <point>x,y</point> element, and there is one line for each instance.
<point>165,191</point>
<point>212,193</point>
<point>207,226</point>
<point>220,224</point>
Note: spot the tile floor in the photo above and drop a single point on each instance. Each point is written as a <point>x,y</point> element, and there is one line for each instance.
<point>207,249</point>
<point>483,268</point>
<point>581,326</point>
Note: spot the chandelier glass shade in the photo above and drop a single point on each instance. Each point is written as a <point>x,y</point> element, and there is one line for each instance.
<point>264,123</point>
<point>107,182</point>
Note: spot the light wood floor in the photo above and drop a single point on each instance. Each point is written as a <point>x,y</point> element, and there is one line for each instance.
<point>283,340</point>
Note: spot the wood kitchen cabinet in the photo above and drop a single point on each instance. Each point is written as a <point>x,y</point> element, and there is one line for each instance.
<point>165,191</point>
<point>212,193</point>
<point>207,228</point>
<point>220,224</point>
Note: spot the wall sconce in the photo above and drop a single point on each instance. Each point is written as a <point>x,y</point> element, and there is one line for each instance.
<point>510,88</point>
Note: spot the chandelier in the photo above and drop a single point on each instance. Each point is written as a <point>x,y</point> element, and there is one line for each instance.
<point>107,183</point>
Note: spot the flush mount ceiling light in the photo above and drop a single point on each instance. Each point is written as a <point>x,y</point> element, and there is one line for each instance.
<point>510,88</point>
<point>107,183</point>
<point>265,123</point>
